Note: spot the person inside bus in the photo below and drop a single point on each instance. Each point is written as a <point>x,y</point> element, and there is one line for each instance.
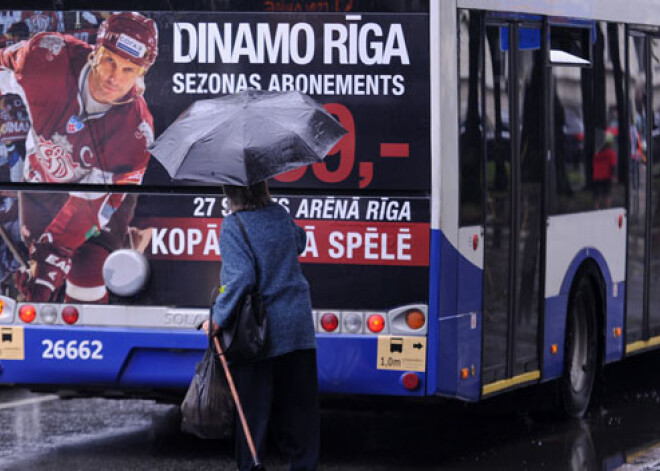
<point>604,167</point>
<point>279,390</point>
<point>90,125</point>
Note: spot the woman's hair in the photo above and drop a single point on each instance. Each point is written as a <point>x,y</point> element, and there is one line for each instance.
<point>247,198</point>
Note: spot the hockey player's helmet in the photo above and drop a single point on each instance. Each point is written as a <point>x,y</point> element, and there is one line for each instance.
<point>131,36</point>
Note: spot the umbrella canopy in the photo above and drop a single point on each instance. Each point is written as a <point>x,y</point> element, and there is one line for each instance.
<point>246,138</point>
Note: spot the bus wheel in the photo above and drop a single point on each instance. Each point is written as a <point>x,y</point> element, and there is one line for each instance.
<point>581,350</point>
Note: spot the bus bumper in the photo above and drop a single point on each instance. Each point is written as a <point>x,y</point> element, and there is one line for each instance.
<point>119,358</point>
<point>348,364</point>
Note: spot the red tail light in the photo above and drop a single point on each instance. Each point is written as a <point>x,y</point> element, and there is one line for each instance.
<point>410,381</point>
<point>329,322</point>
<point>70,315</point>
<point>376,323</point>
<point>27,313</point>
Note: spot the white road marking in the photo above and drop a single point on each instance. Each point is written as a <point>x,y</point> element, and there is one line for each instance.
<point>25,402</point>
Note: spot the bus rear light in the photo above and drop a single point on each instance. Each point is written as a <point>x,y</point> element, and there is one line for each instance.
<point>329,322</point>
<point>620,221</point>
<point>553,349</point>
<point>616,332</point>
<point>27,313</point>
<point>70,315</point>
<point>2,306</point>
<point>410,381</point>
<point>465,373</point>
<point>352,322</point>
<point>48,314</point>
<point>475,241</point>
<point>415,319</point>
<point>376,323</point>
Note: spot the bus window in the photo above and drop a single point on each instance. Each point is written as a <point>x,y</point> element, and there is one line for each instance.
<point>638,57</point>
<point>610,138</point>
<point>514,178</point>
<point>567,45</point>
<point>587,173</point>
<point>654,268</point>
<point>571,140</point>
<point>497,245</point>
<point>471,123</point>
<point>530,143</point>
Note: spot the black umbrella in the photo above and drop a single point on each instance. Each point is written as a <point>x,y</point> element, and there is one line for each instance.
<point>246,138</point>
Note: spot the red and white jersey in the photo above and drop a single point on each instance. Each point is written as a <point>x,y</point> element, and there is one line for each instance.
<point>65,145</point>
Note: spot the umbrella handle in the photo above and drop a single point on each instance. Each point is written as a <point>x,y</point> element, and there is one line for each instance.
<point>239,408</point>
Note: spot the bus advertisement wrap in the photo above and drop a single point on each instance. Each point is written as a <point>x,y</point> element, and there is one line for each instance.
<point>369,70</point>
<point>371,238</point>
<point>374,252</point>
<point>98,93</point>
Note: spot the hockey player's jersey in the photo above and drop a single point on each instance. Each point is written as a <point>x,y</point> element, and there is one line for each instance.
<point>65,145</point>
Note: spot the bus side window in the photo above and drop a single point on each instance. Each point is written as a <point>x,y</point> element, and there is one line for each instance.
<point>471,120</point>
<point>586,90</point>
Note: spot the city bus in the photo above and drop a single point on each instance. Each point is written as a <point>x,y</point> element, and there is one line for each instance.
<point>486,224</point>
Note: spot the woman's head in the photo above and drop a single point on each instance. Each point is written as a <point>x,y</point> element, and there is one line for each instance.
<point>247,198</point>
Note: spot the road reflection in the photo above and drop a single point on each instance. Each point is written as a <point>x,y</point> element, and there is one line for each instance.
<point>517,431</point>
<point>27,423</point>
<point>621,432</point>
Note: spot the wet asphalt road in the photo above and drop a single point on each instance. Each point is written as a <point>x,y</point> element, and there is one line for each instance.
<point>516,431</point>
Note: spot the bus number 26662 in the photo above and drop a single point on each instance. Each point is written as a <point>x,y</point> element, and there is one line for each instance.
<point>72,350</point>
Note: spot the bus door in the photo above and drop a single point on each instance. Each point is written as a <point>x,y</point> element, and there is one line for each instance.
<point>513,91</point>
<point>643,250</point>
<point>653,295</point>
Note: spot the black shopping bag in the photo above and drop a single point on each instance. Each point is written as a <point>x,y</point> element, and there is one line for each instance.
<point>208,408</point>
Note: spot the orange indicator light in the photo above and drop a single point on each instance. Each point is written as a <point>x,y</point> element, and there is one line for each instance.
<point>553,348</point>
<point>415,319</point>
<point>465,373</point>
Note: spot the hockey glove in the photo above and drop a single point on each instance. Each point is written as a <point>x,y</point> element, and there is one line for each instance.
<point>48,269</point>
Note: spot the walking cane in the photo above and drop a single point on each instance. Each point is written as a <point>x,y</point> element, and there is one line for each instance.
<point>239,408</point>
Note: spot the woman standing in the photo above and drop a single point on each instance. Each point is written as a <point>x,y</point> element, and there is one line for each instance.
<point>279,389</point>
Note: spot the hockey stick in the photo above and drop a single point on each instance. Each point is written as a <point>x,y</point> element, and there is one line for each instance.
<point>12,248</point>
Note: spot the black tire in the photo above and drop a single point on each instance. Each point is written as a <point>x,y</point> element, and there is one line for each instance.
<point>580,352</point>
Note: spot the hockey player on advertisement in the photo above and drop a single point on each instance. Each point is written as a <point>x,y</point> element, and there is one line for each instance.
<point>90,125</point>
